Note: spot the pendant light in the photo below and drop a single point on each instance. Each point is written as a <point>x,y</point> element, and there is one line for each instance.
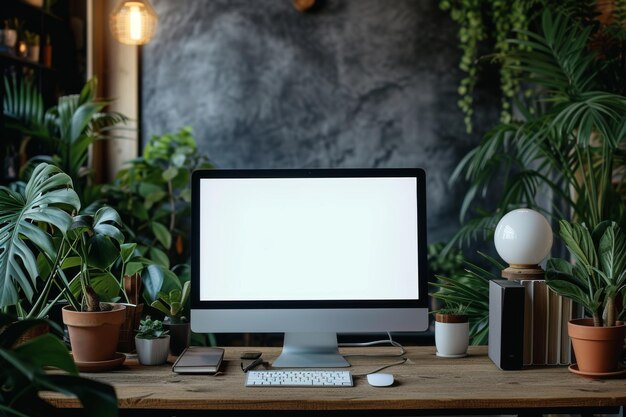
<point>133,22</point>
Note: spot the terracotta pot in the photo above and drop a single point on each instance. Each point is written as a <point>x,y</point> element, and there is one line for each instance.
<point>597,349</point>
<point>32,333</point>
<point>94,335</point>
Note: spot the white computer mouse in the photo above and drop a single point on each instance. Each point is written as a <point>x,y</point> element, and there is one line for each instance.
<point>380,380</point>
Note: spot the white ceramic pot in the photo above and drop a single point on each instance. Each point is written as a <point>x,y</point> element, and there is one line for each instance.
<point>152,351</point>
<point>451,339</point>
<point>10,37</point>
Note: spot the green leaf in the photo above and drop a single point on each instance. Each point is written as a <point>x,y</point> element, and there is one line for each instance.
<point>47,350</point>
<point>159,257</point>
<point>170,173</point>
<point>46,195</point>
<point>97,398</point>
<point>152,278</point>
<point>162,234</point>
<point>612,253</point>
<point>126,252</point>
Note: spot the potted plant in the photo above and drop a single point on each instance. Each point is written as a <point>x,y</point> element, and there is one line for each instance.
<point>25,373</point>
<point>597,280</point>
<point>172,304</point>
<point>452,331</point>
<point>95,243</point>
<point>10,32</point>
<point>32,42</point>
<point>152,342</point>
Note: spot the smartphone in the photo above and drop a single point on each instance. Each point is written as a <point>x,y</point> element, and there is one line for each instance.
<point>250,355</point>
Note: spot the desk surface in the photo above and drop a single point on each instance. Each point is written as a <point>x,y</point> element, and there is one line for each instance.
<point>425,382</point>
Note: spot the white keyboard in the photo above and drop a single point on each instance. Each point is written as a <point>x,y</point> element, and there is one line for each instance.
<point>298,378</point>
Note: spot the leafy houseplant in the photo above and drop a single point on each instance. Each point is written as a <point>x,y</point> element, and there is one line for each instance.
<point>68,129</point>
<point>567,142</point>
<point>153,196</point>
<point>26,250</point>
<point>469,288</point>
<point>22,370</point>
<point>597,280</point>
<point>152,342</point>
<point>172,304</point>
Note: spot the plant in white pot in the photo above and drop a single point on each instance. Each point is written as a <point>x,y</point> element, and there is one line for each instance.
<point>596,279</point>
<point>452,331</point>
<point>152,342</point>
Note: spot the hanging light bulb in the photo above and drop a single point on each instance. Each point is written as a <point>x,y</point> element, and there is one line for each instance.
<point>133,22</point>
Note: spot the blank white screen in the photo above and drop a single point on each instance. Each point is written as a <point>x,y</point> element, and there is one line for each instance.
<point>308,239</point>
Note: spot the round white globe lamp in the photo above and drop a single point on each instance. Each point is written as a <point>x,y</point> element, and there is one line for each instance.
<point>523,238</point>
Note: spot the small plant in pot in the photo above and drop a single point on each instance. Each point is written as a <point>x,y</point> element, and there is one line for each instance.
<point>452,331</point>
<point>172,304</point>
<point>597,280</point>
<point>152,342</point>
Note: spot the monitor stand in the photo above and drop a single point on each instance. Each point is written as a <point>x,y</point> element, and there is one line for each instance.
<point>310,350</point>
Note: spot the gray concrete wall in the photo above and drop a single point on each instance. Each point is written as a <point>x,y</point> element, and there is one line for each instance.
<point>356,83</point>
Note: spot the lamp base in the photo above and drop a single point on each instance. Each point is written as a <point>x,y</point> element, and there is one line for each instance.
<point>522,272</point>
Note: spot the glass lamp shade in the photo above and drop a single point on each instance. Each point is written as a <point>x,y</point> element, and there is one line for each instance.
<point>523,238</point>
<point>133,22</point>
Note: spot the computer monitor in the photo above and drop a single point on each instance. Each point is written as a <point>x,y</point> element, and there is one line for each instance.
<point>310,253</point>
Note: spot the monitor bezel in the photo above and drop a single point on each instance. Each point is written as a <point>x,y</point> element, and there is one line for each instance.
<point>417,173</point>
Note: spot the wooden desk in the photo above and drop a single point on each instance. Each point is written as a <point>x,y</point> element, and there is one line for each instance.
<point>425,384</point>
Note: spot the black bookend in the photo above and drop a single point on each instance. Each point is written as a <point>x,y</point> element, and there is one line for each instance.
<point>506,324</point>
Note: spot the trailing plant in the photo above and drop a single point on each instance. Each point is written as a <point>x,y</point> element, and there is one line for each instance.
<point>151,329</point>
<point>469,290</point>
<point>153,196</point>
<point>597,279</point>
<point>492,21</point>
<point>567,146</point>
<point>68,129</point>
<point>23,372</point>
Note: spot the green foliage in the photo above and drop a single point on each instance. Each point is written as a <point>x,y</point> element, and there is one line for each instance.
<point>31,222</point>
<point>443,262</point>
<point>172,303</point>
<point>151,329</point>
<point>153,196</point>
<point>24,375</point>
<point>68,129</point>
<point>568,142</point>
<point>597,279</point>
<point>488,21</point>
<point>469,291</point>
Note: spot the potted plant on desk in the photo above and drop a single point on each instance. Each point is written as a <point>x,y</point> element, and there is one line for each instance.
<point>172,304</point>
<point>152,342</point>
<point>596,280</point>
<point>452,331</point>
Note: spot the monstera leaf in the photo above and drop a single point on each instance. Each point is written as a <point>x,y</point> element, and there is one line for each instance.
<point>27,221</point>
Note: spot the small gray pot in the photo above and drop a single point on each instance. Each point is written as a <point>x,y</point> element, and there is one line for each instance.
<point>152,351</point>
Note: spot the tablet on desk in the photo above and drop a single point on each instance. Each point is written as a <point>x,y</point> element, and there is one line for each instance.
<point>199,360</point>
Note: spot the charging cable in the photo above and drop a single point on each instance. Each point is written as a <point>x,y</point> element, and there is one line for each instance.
<point>389,341</point>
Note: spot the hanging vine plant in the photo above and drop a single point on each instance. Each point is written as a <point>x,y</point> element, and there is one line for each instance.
<point>488,21</point>
<point>492,22</point>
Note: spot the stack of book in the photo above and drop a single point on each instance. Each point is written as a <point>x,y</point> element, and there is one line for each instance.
<point>546,314</point>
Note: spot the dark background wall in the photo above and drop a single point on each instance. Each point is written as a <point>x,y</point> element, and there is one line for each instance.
<point>356,83</point>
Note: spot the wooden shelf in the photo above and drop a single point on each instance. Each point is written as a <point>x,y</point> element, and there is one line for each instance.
<point>39,10</point>
<point>23,61</point>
